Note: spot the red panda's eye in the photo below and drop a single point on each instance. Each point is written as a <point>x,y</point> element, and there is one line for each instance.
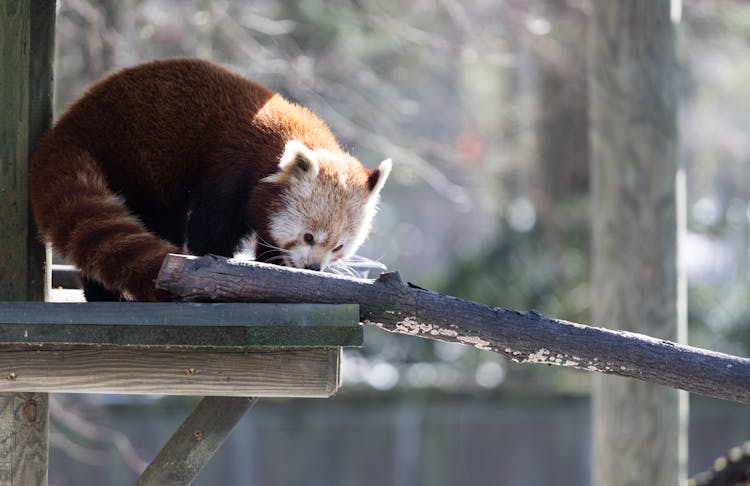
<point>338,248</point>
<point>309,238</point>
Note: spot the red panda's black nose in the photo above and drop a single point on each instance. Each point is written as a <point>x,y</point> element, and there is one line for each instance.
<point>313,266</point>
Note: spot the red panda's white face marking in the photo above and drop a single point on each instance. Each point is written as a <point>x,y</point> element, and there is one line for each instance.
<point>328,201</point>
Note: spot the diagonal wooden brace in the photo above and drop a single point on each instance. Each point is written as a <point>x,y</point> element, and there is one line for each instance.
<point>195,441</point>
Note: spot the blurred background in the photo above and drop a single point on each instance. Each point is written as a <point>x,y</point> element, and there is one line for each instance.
<point>482,105</point>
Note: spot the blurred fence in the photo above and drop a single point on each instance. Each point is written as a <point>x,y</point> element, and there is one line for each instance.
<point>388,440</point>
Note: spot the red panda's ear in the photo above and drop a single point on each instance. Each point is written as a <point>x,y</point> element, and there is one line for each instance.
<point>376,179</point>
<point>297,161</point>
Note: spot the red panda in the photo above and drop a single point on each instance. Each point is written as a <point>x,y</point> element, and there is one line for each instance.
<point>182,155</point>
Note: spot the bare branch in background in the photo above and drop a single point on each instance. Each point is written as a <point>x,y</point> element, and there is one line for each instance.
<point>96,434</point>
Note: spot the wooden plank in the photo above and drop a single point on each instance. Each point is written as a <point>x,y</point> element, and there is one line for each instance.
<point>266,372</point>
<point>181,324</point>
<point>196,441</point>
<point>26,59</point>
<point>173,313</point>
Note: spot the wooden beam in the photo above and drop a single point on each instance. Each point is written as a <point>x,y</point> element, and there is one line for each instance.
<point>40,79</point>
<point>261,372</point>
<point>27,30</point>
<point>26,50</point>
<point>14,147</point>
<point>179,324</point>
<point>525,337</point>
<point>196,441</point>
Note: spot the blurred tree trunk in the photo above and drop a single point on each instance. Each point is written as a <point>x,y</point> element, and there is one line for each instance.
<point>562,120</point>
<point>561,128</point>
<point>639,428</point>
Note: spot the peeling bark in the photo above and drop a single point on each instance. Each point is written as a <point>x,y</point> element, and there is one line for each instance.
<point>523,337</point>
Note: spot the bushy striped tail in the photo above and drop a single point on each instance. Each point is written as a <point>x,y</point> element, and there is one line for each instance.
<point>86,223</point>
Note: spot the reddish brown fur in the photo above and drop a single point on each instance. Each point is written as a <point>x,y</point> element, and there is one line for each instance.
<point>147,135</point>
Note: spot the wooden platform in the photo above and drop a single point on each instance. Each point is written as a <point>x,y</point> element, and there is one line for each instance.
<point>256,350</point>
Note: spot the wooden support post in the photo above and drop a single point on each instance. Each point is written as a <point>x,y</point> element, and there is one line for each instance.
<point>26,58</point>
<point>196,441</point>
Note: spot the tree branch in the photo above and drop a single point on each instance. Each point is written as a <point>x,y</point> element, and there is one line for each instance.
<point>523,337</point>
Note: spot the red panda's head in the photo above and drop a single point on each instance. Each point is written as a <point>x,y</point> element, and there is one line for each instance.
<point>326,202</point>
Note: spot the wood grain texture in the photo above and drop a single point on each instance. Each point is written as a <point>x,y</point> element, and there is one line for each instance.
<point>23,446</point>
<point>288,372</point>
<point>40,78</point>
<point>14,146</point>
<point>195,441</point>
<point>176,324</point>
<point>26,50</point>
<point>26,53</point>
<point>526,337</point>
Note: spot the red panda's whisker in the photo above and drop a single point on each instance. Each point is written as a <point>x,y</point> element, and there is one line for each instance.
<point>271,251</point>
<point>342,268</point>
<point>270,246</point>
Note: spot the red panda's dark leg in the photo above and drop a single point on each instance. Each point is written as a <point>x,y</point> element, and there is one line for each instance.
<point>216,221</point>
<point>168,226</point>
<point>96,292</point>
